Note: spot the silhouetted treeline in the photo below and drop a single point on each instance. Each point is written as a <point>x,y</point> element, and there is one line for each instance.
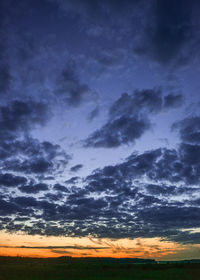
<point>68,259</point>
<point>90,260</point>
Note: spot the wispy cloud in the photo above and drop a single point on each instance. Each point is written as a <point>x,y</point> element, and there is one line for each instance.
<point>76,247</point>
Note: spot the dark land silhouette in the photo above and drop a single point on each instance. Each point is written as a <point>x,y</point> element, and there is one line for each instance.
<point>86,268</point>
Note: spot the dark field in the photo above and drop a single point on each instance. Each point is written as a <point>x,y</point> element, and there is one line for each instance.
<point>52,269</point>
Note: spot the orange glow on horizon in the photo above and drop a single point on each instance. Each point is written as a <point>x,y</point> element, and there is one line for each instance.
<point>46,247</point>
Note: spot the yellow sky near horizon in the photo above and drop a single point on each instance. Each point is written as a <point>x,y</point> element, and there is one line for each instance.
<point>42,246</point>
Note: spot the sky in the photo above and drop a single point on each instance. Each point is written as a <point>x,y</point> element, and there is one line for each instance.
<point>100,128</point>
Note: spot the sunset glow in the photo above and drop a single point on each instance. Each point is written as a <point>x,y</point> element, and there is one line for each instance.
<point>45,247</point>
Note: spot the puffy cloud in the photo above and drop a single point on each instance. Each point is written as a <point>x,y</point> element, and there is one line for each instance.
<point>20,116</point>
<point>34,188</point>
<point>141,101</point>
<point>25,202</point>
<point>10,180</point>
<point>73,180</point>
<point>9,208</point>
<point>120,131</point>
<point>28,155</point>
<point>146,195</point>
<point>60,188</point>
<point>129,117</point>
<point>189,129</point>
<point>136,198</point>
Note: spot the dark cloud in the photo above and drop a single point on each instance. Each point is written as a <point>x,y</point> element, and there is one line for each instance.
<point>189,129</point>
<point>98,10</point>
<point>5,79</point>
<point>172,100</point>
<point>190,164</point>
<point>54,197</point>
<point>34,188</point>
<point>184,217</point>
<point>186,237</point>
<point>141,101</point>
<point>169,31</point>
<point>129,117</point>
<point>7,208</point>
<point>173,23</point>
<point>38,165</point>
<point>93,114</point>
<point>18,151</point>
<point>59,247</point>
<point>70,88</point>
<point>10,180</point>
<point>139,197</point>
<point>25,202</point>
<point>20,116</point>
<point>31,156</point>
<point>109,58</point>
<point>5,69</point>
<point>189,148</point>
<point>60,188</point>
<point>72,180</point>
<point>123,130</point>
<point>158,189</point>
<point>76,167</point>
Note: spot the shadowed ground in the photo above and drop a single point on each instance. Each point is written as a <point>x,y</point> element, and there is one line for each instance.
<point>55,269</point>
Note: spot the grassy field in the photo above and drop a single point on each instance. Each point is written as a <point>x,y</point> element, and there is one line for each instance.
<point>37,269</point>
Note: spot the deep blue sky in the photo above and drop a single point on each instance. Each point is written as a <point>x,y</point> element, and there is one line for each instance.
<point>99,118</point>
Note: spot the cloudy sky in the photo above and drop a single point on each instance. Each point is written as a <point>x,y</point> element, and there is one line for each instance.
<point>100,128</point>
